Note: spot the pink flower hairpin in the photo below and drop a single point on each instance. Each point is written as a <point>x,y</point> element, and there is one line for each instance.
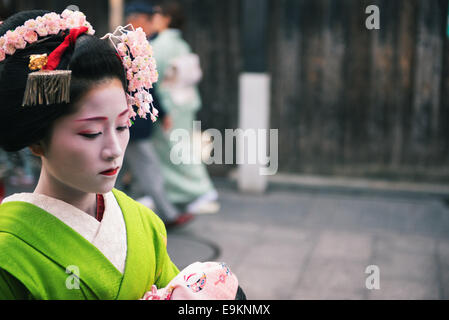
<point>137,57</point>
<point>43,26</point>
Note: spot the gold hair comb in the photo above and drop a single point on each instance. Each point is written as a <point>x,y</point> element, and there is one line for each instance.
<point>46,86</point>
<point>38,61</point>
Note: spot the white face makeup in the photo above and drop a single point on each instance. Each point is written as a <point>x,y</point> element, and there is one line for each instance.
<point>86,149</point>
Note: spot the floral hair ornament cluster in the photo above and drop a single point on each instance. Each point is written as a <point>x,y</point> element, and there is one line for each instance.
<point>136,54</point>
<point>46,85</point>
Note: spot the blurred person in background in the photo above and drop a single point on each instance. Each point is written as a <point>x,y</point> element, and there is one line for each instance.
<point>188,185</point>
<point>141,160</point>
<point>17,168</point>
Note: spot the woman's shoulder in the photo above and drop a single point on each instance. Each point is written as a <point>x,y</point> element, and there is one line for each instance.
<point>17,202</point>
<point>16,197</point>
<point>170,40</point>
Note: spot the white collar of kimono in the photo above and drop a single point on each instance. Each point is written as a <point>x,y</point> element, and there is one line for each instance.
<point>109,235</point>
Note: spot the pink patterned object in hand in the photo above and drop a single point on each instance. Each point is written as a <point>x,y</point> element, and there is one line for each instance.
<point>152,295</point>
<point>199,281</point>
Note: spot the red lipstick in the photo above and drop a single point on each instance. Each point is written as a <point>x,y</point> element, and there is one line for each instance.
<point>110,172</point>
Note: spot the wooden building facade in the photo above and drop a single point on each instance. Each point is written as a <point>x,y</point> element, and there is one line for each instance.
<point>346,100</point>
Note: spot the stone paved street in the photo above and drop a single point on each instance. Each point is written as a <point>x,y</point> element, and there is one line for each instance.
<point>317,243</point>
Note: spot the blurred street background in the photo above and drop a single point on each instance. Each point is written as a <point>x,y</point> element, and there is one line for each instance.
<point>303,240</point>
<point>363,146</point>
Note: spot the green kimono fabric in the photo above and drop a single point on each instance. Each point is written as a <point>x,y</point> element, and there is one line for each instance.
<point>43,258</point>
<point>183,183</point>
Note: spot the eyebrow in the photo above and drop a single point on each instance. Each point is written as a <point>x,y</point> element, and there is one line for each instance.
<point>102,118</point>
<point>123,113</point>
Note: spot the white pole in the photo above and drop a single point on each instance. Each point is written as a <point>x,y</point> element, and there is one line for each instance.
<point>115,14</point>
<point>254,96</point>
<point>254,115</point>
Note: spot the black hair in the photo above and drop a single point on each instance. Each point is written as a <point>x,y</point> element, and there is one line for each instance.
<point>139,7</point>
<point>91,61</point>
<point>174,10</point>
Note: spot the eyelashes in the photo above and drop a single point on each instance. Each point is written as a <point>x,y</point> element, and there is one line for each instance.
<point>122,128</point>
<point>92,136</point>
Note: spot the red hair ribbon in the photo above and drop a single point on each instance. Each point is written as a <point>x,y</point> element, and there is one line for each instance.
<point>55,57</point>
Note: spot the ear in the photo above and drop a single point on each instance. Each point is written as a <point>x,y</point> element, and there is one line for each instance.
<point>168,20</point>
<point>37,149</point>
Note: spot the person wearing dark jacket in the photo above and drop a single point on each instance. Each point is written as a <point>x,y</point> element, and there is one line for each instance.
<point>140,159</point>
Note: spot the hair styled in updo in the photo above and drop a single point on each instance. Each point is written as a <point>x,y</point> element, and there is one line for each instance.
<point>91,61</point>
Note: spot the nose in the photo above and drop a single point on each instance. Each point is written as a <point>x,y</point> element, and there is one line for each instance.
<point>112,148</point>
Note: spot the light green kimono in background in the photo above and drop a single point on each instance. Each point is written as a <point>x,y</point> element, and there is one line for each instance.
<point>184,182</point>
<point>36,249</point>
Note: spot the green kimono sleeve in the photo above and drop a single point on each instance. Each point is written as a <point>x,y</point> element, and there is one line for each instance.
<point>11,288</point>
<point>166,269</point>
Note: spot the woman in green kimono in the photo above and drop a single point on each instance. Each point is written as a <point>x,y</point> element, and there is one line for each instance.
<point>74,237</point>
<point>187,182</point>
